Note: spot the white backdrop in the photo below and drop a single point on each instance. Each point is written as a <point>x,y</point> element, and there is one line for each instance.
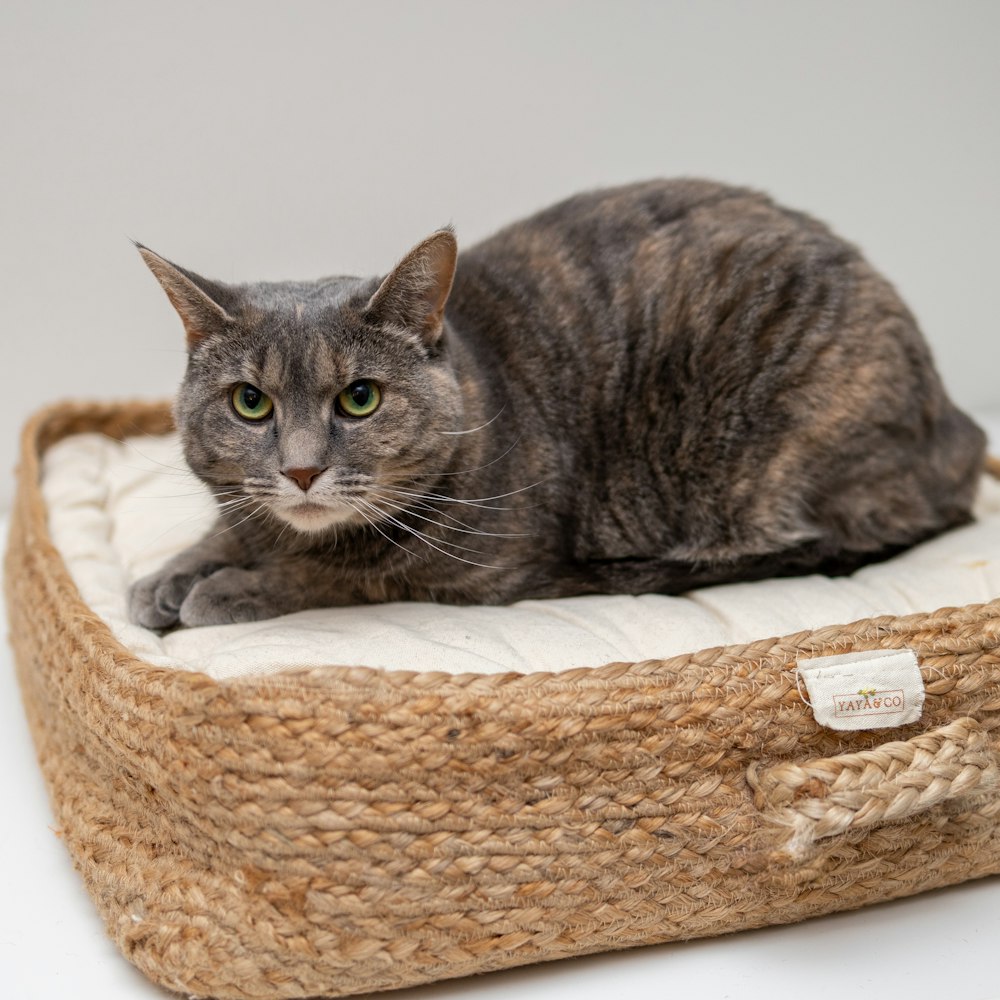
<point>266,140</point>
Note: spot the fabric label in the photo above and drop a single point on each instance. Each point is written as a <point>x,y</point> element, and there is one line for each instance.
<point>877,689</point>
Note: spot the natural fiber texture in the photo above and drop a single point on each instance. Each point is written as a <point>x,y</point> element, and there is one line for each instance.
<point>342,830</point>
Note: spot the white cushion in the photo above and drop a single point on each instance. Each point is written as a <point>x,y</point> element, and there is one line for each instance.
<point>118,511</point>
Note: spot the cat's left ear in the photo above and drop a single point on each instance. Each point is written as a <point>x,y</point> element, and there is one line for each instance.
<point>414,293</point>
<point>200,303</point>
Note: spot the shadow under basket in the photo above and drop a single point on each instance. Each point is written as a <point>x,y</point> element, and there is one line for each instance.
<point>334,831</point>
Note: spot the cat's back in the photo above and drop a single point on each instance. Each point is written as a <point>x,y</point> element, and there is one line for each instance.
<point>608,229</point>
<point>588,267</point>
<point>692,342</point>
<point>624,214</point>
<point>685,278</point>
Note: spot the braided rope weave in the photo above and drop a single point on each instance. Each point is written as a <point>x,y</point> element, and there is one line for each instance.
<point>891,782</point>
<point>340,830</point>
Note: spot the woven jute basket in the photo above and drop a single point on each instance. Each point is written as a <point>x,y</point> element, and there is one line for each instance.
<point>340,830</point>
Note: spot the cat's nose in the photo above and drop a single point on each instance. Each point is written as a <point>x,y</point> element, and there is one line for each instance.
<point>304,477</point>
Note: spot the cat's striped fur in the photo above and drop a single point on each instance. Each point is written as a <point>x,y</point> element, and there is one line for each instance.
<point>650,388</point>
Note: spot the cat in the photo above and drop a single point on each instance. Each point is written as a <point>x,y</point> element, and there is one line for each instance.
<point>651,388</point>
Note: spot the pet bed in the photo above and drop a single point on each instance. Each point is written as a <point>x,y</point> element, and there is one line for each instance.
<point>357,799</point>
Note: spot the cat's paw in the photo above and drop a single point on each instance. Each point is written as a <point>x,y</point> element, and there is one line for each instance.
<point>155,601</point>
<point>228,596</point>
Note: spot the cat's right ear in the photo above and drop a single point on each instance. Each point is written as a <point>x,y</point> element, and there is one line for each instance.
<point>415,292</point>
<point>201,304</point>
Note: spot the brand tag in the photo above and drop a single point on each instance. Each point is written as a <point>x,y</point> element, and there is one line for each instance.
<point>876,689</point>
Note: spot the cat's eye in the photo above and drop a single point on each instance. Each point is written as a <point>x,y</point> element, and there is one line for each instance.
<point>250,403</point>
<point>360,399</point>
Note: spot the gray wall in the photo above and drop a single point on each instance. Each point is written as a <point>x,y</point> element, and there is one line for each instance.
<point>252,140</point>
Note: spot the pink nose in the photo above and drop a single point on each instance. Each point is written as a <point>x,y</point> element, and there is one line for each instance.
<point>304,477</point>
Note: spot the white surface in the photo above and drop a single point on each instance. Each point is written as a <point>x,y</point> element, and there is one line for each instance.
<point>53,946</point>
<point>250,139</point>
<point>118,511</point>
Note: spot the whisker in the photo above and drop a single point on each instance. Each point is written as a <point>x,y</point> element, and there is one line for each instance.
<point>472,430</point>
<point>236,498</point>
<point>437,510</point>
<point>471,501</point>
<point>433,509</point>
<point>409,552</point>
<point>439,498</point>
<point>169,496</point>
<point>285,526</point>
<point>165,471</point>
<point>465,529</point>
<point>423,538</point>
<point>129,444</point>
<point>235,504</point>
<point>479,468</point>
<point>415,531</point>
<point>253,513</point>
<point>149,543</point>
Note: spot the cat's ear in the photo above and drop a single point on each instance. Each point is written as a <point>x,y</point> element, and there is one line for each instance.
<point>414,293</point>
<point>201,304</point>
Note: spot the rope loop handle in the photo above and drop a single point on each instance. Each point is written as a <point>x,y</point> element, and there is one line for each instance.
<point>831,795</point>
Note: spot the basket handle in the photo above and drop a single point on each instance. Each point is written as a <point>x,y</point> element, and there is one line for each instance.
<point>833,795</point>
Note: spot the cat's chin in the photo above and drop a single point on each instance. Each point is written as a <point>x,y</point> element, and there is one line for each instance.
<point>314,517</point>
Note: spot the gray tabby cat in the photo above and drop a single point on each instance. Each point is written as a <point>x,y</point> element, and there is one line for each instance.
<point>652,388</point>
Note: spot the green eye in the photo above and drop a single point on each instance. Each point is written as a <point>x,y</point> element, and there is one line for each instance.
<point>360,398</point>
<point>250,403</point>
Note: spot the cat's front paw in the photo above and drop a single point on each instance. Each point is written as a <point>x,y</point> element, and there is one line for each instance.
<point>228,596</point>
<point>155,601</point>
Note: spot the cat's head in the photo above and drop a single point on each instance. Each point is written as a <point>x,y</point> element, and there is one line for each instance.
<point>321,403</point>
